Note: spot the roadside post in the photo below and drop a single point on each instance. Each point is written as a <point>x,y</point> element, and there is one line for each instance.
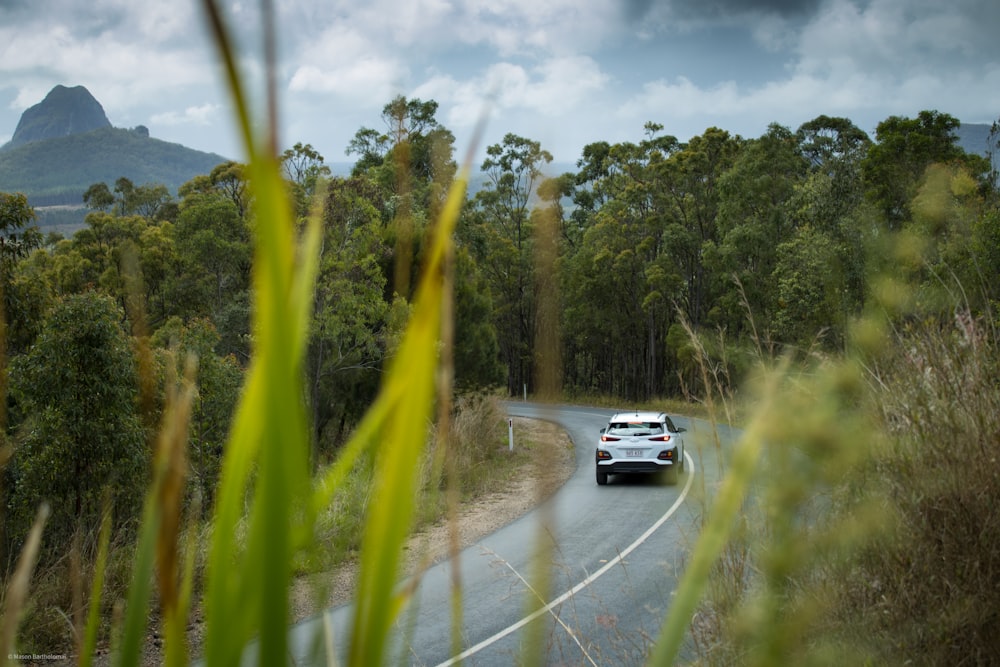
<point>510,433</point>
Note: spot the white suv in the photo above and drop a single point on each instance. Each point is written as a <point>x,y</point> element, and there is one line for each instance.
<point>640,442</point>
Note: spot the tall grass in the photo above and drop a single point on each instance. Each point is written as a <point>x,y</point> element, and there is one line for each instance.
<point>857,521</point>
<point>929,589</point>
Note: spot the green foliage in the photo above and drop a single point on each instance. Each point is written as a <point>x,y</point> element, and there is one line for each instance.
<point>82,434</point>
<point>128,199</point>
<point>15,213</point>
<point>350,332</point>
<point>413,157</point>
<point>904,148</point>
<point>643,260</point>
<point>303,168</point>
<point>807,295</point>
<point>27,298</point>
<point>866,533</point>
<point>219,379</point>
<point>213,248</point>
<point>501,234</point>
<point>753,223</point>
<point>476,350</point>
<point>18,238</point>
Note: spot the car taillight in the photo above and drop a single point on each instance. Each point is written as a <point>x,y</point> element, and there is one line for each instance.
<point>603,455</point>
<point>666,455</point>
<point>661,438</point>
<point>609,438</point>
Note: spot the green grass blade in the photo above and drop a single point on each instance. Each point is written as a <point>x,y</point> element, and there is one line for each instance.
<point>408,396</point>
<point>271,430</point>
<point>267,453</point>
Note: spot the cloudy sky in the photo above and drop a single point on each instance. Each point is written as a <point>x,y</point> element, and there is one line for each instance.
<point>562,72</point>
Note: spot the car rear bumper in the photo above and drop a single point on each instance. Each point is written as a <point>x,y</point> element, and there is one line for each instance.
<point>616,466</point>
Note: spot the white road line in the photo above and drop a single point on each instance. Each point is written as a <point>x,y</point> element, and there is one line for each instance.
<point>472,650</point>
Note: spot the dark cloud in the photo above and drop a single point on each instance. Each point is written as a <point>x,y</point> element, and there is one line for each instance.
<point>712,10</point>
<point>10,9</point>
<point>635,10</point>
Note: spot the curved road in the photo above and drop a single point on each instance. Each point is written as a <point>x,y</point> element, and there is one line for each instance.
<point>614,552</point>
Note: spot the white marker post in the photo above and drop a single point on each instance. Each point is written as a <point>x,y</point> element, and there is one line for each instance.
<point>510,433</point>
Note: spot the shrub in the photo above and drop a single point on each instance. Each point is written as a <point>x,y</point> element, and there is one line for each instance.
<point>78,383</point>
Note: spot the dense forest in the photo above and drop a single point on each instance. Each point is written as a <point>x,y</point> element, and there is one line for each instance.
<point>768,238</point>
<point>771,241</point>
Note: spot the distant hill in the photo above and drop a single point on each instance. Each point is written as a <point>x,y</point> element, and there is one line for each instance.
<point>59,171</point>
<point>65,144</point>
<point>63,112</point>
<point>975,138</point>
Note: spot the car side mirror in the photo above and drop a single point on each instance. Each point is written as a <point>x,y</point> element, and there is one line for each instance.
<point>681,429</point>
<point>603,430</point>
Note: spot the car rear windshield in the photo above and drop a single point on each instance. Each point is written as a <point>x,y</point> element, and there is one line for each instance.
<point>635,428</point>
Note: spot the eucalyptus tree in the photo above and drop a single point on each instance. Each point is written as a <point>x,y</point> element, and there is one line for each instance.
<point>18,236</point>
<point>98,197</point>
<point>147,200</point>
<point>412,162</point>
<point>690,179</point>
<point>218,379</point>
<point>807,289</point>
<point>227,180</point>
<point>19,299</point>
<point>476,348</point>
<point>213,249</point>
<point>99,253</point>
<point>158,262</point>
<point>753,221</point>
<point>502,236</point>
<point>28,295</point>
<point>622,281</point>
<point>351,334</point>
<point>304,168</point>
<point>831,199</point>
<point>831,143</point>
<point>903,150</point>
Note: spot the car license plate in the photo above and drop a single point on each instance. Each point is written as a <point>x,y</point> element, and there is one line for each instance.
<point>633,452</point>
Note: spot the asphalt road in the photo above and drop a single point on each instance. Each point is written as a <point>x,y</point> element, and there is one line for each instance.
<point>612,553</point>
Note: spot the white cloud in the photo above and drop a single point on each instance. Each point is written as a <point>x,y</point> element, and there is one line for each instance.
<point>345,62</point>
<point>682,99</point>
<point>200,115</point>
<point>554,88</point>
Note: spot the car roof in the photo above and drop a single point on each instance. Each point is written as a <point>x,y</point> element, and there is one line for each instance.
<point>639,416</point>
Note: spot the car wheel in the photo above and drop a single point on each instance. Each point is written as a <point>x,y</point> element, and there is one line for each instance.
<point>671,475</point>
<point>680,462</point>
<point>602,477</point>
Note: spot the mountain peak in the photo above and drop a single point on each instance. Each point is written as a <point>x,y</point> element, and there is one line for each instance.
<point>63,112</point>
